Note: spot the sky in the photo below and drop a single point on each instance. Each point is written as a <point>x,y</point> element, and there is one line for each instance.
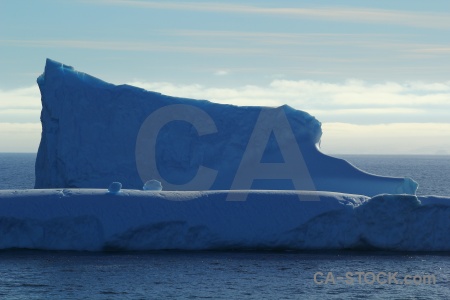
<point>375,73</point>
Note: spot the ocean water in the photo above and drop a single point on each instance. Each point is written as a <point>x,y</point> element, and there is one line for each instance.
<point>218,275</point>
<point>27,274</point>
<point>17,170</point>
<point>432,172</point>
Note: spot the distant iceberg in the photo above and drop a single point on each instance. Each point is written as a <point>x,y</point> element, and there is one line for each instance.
<point>95,133</point>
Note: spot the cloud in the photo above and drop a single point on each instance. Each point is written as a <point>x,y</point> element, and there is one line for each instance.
<point>442,50</point>
<point>332,102</point>
<point>131,46</point>
<point>341,14</point>
<point>221,72</point>
<point>27,97</point>
<point>342,99</point>
<point>358,117</point>
<point>290,46</point>
<point>21,105</point>
<point>395,138</point>
<point>20,137</point>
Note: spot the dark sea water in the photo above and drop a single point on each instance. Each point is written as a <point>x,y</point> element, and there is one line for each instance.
<point>216,275</point>
<point>17,170</point>
<point>27,274</point>
<point>432,172</point>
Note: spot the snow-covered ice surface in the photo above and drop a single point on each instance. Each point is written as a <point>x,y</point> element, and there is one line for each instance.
<point>95,133</point>
<point>95,220</point>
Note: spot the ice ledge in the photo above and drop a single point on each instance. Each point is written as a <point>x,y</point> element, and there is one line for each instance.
<point>95,220</point>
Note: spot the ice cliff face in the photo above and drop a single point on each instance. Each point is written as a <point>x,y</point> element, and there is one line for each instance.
<point>95,133</point>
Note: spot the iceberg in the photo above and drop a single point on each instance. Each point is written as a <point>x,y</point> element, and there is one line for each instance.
<point>233,178</point>
<point>95,133</point>
<point>97,220</point>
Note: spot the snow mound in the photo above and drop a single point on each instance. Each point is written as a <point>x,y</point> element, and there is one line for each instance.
<point>152,185</point>
<point>96,220</point>
<point>115,187</point>
<point>94,133</point>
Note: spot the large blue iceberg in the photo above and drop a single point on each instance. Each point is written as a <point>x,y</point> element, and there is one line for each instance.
<point>95,133</point>
<point>233,178</point>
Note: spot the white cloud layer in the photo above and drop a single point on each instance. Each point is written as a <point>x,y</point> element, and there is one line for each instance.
<point>27,97</point>
<point>395,138</point>
<point>346,14</point>
<point>332,102</point>
<point>357,117</point>
<point>20,137</point>
<point>20,105</point>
